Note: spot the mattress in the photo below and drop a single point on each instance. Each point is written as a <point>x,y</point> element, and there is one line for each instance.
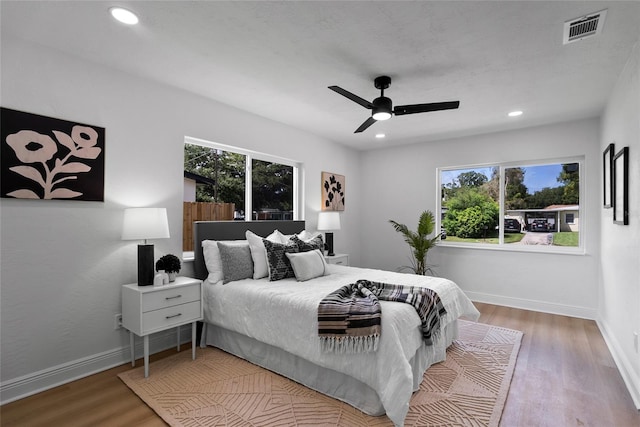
<point>283,316</point>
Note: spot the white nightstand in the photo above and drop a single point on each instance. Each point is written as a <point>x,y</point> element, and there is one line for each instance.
<point>338,259</point>
<point>149,309</point>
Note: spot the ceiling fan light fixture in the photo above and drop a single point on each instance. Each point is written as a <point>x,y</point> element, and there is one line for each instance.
<point>382,115</point>
<point>123,15</point>
<point>382,108</point>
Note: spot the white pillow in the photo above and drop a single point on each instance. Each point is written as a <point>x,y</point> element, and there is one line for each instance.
<point>259,253</point>
<point>307,236</point>
<point>307,265</point>
<point>304,235</point>
<point>212,259</point>
<point>282,238</point>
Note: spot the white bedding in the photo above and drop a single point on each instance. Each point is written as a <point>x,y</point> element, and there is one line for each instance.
<point>284,314</point>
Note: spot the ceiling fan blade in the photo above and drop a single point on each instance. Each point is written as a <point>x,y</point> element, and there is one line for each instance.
<point>366,124</point>
<point>351,96</point>
<point>400,110</point>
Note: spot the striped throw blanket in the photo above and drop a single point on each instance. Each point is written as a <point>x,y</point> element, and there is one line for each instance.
<point>349,318</point>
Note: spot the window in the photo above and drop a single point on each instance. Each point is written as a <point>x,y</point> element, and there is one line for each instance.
<point>216,179</point>
<point>525,206</point>
<point>272,190</point>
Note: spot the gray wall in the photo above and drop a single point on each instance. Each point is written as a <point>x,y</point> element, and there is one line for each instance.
<point>555,283</point>
<point>63,262</point>
<point>619,297</point>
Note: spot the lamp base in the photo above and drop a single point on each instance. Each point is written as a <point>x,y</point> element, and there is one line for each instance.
<point>145,265</point>
<point>329,241</point>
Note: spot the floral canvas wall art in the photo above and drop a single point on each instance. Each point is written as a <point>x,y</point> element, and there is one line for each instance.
<point>48,158</point>
<point>332,191</point>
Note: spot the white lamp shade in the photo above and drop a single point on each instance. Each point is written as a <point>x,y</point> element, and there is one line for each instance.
<point>145,223</point>
<point>329,220</point>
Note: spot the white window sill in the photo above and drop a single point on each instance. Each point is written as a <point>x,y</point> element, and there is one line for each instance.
<point>511,247</point>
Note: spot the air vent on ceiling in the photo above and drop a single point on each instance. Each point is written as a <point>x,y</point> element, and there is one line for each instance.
<point>583,27</point>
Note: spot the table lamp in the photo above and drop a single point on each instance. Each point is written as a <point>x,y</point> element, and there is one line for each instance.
<point>143,224</point>
<point>329,221</point>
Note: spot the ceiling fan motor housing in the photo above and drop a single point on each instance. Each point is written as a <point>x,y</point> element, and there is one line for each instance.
<point>382,82</point>
<point>381,106</point>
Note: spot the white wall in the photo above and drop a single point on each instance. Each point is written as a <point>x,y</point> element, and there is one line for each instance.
<point>63,262</point>
<point>619,283</point>
<point>401,183</point>
<point>189,190</point>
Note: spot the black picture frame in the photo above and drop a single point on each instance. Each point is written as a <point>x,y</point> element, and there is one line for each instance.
<point>620,195</point>
<point>607,175</point>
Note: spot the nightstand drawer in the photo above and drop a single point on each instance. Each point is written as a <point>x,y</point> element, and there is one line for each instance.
<point>170,297</point>
<point>338,259</point>
<point>170,316</point>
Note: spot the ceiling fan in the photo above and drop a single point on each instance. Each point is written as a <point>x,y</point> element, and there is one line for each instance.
<point>382,107</point>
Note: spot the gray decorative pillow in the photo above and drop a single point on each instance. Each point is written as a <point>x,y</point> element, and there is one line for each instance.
<point>310,245</point>
<point>236,260</point>
<point>307,265</point>
<point>279,265</point>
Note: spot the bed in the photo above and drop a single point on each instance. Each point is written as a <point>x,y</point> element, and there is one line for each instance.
<point>274,324</point>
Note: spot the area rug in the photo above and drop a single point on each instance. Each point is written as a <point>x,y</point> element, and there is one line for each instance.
<point>218,389</point>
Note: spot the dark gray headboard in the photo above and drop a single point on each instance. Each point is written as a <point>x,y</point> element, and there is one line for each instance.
<point>233,230</point>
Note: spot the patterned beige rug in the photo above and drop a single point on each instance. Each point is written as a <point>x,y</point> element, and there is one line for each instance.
<point>217,389</point>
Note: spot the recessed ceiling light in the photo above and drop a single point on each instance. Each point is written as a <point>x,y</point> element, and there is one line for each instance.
<point>380,135</point>
<point>123,15</point>
<point>515,113</point>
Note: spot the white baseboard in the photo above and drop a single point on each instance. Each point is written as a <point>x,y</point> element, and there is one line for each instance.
<point>631,379</point>
<point>533,305</point>
<point>45,379</point>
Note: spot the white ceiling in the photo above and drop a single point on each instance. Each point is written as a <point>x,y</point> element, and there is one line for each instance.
<point>276,59</point>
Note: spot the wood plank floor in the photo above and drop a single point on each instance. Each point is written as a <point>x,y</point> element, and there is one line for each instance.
<point>565,376</point>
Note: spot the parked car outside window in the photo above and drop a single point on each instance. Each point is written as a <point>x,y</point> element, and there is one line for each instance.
<point>512,225</point>
<point>539,225</point>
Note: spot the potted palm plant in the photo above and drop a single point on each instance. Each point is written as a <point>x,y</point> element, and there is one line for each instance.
<point>419,242</point>
<point>170,264</point>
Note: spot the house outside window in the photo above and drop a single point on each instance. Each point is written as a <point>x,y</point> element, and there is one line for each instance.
<point>523,206</point>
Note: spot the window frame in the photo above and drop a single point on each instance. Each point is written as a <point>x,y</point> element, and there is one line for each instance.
<point>298,173</point>
<point>501,246</point>
<point>298,178</point>
<point>298,199</point>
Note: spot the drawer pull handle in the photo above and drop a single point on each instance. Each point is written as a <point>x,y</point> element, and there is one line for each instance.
<point>177,296</point>
<point>173,315</point>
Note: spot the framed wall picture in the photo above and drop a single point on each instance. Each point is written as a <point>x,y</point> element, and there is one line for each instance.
<point>620,195</point>
<point>332,191</point>
<point>607,174</point>
<point>48,158</point>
